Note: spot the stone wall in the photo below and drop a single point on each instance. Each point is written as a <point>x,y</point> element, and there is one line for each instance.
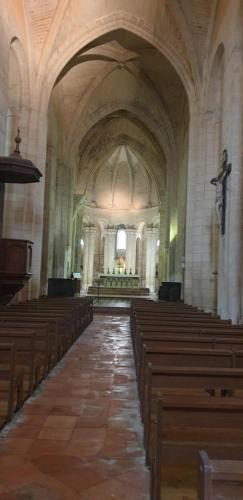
<point>213,128</point>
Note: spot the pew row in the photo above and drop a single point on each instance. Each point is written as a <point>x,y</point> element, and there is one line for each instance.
<point>10,382</point>
<point>39,333</point>
<point>184,426</point>
<point>185,381</point>
<point>220,478</point>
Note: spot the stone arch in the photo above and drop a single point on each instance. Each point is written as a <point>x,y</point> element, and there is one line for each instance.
<point>141,114</point>
<point>77,122</point>
<point>96,29</point>
<point>50,70</point>
<point>148,174</point>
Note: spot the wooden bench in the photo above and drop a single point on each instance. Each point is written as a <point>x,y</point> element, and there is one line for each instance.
<point>155,333</point>
<point>186,357</point>
<point>58,328</point>
<point>83,307</point>
<point>31,353</point>
<point>183,427</point>
<point>66,325</point>
<point>220,478</point>
<point>39,332</point>
<point>183,341</point>
<point>10,382</point>
<point>185,381</point>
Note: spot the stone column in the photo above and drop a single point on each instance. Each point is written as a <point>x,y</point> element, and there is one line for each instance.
<point>164,244</point>
<point>109,250</point>
<point>88,262</point>
<point>106,252</point>
<point>86,258</point>
<point>92,231</point>
<point>131,250</point>
<point>77,245</point>
<point>151,247</point>
<point>231,242</point>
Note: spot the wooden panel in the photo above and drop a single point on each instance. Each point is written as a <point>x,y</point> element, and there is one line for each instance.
<point>1,206</point>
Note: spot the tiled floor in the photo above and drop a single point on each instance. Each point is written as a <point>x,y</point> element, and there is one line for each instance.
<point>112,302</point>
<point>80,436</point>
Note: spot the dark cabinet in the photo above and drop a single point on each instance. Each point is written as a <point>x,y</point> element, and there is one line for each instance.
<point>170,291</point>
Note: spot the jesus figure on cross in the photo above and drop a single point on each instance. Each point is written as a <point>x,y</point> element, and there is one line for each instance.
<point>220,183</point>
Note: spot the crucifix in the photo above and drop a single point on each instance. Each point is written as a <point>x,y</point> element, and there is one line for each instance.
<point>221,183</point>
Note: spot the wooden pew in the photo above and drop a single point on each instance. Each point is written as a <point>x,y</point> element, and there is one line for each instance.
<point>186,357</point>
<point>183,327</point>
<point>183,427</point>
<point>58,328</point>
<point>82,309</point>
<point>66,326</point>
<point>149,322</point>
<point>176,325</point>
<point>31,354</point>
<point>10,382</point>
<point>85,305</point>
<point>183,341</point>
<point>184,381</point>
<point>50,328</point>
<point>39,332</point>
<point>74,313</point>
<point>220,478</point>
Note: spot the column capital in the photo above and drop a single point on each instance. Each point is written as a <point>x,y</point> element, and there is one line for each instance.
<point>110,230</point>
<point>89,229</point>
<point>151,230</point>
<point>131,229</point>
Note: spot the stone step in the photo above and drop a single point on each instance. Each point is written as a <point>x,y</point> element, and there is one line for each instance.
<point>118,291</point>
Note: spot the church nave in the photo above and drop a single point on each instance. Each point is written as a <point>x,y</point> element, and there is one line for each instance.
<point>79,436</point>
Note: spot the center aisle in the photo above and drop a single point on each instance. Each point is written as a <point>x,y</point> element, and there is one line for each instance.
<point>80,436</point>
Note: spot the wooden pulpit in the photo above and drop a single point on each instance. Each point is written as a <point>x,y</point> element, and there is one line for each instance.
<point>15,267</point>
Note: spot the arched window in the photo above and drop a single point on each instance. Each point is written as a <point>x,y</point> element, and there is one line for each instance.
<point>121,239</point>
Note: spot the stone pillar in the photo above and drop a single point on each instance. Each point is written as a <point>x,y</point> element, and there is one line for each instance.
<point>109,250</point>
<point>92,231</point>
<point>131,250</point>
<point>164,245</point>
<point>151,247</point>
<point>86,258</point>
<point>139,257</point>
<point>231,242</point>
<point>77,245</point>
<point>106,252</point>
<point>88,262</point>
<point>193,214</point>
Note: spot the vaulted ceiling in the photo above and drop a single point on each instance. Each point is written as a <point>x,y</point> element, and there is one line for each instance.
<point>118,91</point>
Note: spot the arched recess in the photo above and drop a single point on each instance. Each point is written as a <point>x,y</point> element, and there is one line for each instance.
<point>18,93</point>
<point>50,68</point>
<point>151,176</point>
<point>17,117</point>
<point>214,147</point>
<point>14,106</point>
<point>82,121</point>
<point>164,136</point>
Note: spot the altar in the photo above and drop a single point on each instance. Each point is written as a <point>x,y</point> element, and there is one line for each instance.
<point>119,280</point>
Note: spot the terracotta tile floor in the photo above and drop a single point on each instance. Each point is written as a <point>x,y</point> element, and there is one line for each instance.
<point>79,437</point>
